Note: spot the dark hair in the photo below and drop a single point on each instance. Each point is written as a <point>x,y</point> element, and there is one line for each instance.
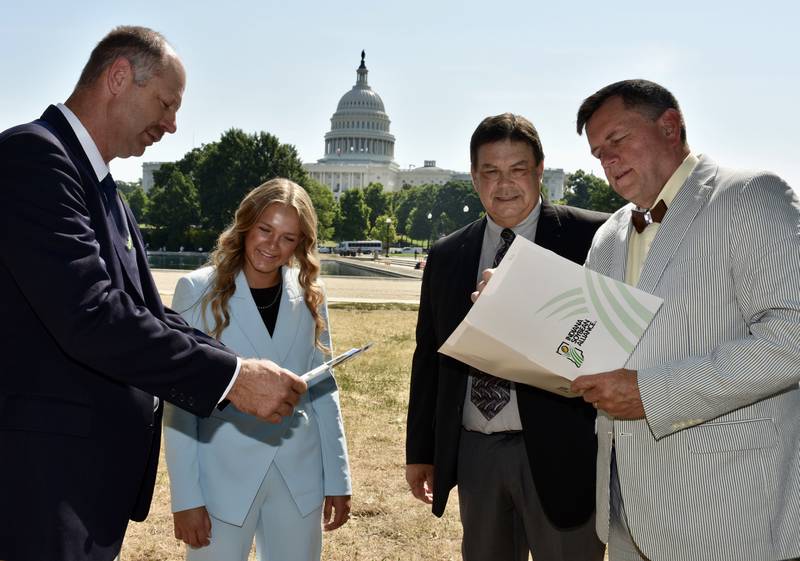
<point>505,127</point>
<point>144,48</point>
<point>644,96</point>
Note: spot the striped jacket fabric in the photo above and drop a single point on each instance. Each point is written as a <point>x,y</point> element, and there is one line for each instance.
<point>713,471</point>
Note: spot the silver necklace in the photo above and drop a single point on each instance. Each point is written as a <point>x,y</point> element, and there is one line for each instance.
<point>275,299</point>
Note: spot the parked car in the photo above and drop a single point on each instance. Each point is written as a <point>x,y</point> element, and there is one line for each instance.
<point>324,249</point>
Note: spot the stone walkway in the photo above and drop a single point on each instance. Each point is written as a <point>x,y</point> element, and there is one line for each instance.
<point>339,289</point>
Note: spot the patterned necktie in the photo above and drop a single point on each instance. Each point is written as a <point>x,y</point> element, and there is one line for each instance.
<point>641,219</point>
<point>490,394</point>
<point>115,209</point>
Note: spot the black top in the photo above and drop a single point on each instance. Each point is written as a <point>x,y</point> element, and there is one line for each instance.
<point>268,301</point>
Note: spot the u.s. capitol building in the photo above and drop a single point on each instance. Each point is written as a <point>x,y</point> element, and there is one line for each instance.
<point>359,149</point>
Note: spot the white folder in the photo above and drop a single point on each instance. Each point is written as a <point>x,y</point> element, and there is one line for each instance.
<point>542,320</point>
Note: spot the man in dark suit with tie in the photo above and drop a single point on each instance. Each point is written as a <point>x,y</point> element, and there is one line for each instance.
<point>522,458</point>
<point>85,341</point>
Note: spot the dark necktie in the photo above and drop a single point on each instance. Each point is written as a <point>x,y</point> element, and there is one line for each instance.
<point>642,218</point>
<point>115,209</point>
<point>489,393</point>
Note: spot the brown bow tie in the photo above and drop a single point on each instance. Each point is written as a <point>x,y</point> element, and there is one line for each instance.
<point>641,218</point>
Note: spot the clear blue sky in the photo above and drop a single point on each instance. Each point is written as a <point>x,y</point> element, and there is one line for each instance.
<point>440,67</point>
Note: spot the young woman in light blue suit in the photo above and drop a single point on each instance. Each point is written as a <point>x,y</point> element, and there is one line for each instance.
<point>234,477</point>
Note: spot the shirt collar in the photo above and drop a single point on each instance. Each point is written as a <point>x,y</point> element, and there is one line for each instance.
<point>84,138</point>
<point>677,179</point>
<point>528,223</point>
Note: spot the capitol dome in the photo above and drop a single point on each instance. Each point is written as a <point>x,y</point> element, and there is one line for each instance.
<point>360,127</point>
<point>358,98</point>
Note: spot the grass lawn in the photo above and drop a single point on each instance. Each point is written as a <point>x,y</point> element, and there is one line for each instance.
<point>387,523</point>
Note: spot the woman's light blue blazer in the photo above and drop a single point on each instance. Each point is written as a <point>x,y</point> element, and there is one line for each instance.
<point>220,461</point>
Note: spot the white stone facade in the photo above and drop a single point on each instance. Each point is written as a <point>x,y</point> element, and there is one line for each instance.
<point>359,150</point>
<point>554,180</point>
<point>340,177</point>
<point>147,174</point>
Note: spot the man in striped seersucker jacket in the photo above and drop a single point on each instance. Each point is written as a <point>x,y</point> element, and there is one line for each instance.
<point>699,439</point>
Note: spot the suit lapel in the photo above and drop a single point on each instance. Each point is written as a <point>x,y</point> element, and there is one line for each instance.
<point>128,259</point>
<point>147,286</point>
<point>683,210</point>
<point>289,314</point>
<point>465,275</point>
<point>548,230</point>
<point>54,120</point>
<point>619,260</point>
<point>245,315</point>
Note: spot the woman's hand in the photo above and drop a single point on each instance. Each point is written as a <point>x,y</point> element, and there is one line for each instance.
<point>341,506</point>
<point>193,526</point>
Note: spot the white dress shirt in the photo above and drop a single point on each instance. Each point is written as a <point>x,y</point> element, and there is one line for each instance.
<point>507,419</point>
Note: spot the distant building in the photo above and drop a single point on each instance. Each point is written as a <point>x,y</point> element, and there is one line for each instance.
<point>359,149</point>
<point>147,174</point>
<point>429,174</point>
<point>554,180</point>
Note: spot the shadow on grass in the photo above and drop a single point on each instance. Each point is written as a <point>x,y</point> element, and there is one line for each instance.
<point>373,306</point>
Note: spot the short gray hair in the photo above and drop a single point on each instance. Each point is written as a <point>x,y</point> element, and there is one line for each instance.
<point>145,49</point>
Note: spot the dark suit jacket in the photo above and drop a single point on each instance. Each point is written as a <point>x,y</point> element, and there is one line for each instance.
<point>558,432</point>
<point>84,347</point>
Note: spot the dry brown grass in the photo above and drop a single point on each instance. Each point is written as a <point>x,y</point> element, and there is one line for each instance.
<point>387,523</point>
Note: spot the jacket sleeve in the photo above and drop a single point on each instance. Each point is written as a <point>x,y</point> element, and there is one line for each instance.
<point>764,247</point>
<point>424,376</point>
<point>49,243</point>
<point>325,403</point>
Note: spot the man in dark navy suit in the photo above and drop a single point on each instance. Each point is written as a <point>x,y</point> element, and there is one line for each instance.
<point>87,347</point>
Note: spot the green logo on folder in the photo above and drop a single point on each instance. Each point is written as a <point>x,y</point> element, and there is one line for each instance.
<point>574,354</point>
<point>614,304</point>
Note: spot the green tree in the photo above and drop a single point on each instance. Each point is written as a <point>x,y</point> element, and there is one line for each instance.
<point>384,229</point>
<point>419,226</point>
<point>576,192</point>
<point>325,205</point>
<point>127,187</point>
<point>228,169</point>
<point>450,200</point>
<point>174,207</point>
<point>586,190</point>
<point>138,200</point>
<point>377,201</point>
<point>403,202</point>
<point>353,218</point>
<point>604,198</point>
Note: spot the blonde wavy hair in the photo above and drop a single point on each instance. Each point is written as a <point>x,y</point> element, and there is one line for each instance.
<point>228,256</point>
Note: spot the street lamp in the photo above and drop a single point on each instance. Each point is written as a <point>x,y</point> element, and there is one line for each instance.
<point>388,225</point>
<point>430,237</point>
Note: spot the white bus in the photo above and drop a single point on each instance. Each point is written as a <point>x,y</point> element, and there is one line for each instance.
<point>353,248</point>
